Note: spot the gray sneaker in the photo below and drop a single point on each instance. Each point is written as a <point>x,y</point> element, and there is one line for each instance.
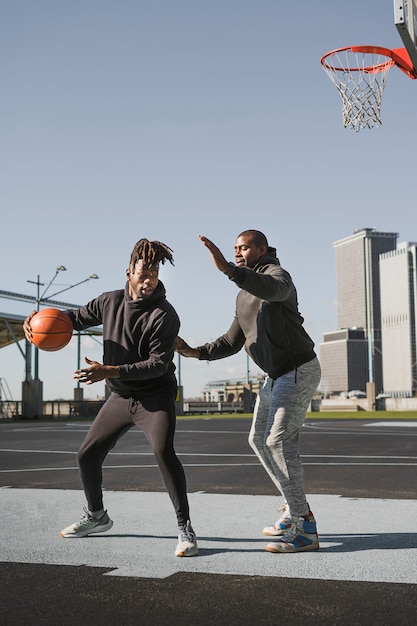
<point>88,525</point>
<point>187,542</point>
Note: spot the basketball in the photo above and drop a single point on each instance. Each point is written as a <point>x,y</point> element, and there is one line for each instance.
<point>51,329</point>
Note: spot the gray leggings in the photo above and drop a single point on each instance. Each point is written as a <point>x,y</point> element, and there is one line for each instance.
<point>155,416</point>
<point>279,414</point>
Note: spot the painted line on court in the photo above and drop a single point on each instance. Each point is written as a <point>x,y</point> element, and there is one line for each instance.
<point>206,465</point>
<point>400,424</point>
<point>218,454</point>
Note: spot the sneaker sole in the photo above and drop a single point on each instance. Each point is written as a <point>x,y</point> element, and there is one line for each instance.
<point>287,548</point>
<point>99,529</point>
<point>274,533</point>
<point>188,552</point>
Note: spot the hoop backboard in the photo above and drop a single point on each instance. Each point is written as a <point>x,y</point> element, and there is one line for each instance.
<point>405,17</point>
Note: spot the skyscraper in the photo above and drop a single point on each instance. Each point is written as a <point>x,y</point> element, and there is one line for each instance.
<point>355,358</point>
<point>398,274</point>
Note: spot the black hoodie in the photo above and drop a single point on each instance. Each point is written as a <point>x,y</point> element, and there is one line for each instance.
<point>138,336</point>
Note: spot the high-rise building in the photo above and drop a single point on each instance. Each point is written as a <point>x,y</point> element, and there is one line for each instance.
<point>350,360</point>
<point>398,276</point>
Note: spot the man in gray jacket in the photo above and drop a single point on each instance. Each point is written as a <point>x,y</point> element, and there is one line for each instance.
<point>268,324</point>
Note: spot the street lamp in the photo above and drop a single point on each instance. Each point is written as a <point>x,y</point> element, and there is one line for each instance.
<point>40,299</point>
<point>91,277</point>
<point>60,268</point>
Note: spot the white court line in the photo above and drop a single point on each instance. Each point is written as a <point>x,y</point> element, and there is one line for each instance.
<point>215,454</point>
<point>325,429</point>
<point>148,466</point>
<point>401,424</point>
<point>131,431</point>
<point>125,453</point>
<point>207,465</point>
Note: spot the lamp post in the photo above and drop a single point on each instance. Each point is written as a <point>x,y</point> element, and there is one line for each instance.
<point>91,277</point>
<point>60,268</point>
<point>41,299</point>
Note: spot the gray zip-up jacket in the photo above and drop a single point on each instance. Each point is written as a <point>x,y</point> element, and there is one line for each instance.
<point>138,335</point>
<point>267,321</point>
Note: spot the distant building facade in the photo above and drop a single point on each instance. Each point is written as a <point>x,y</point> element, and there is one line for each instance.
<point>398,274</point>
<point>352,356</point>
<point>344,361</point>
<point>232,389</point>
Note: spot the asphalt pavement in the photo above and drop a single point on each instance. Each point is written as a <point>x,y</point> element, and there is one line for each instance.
<point>360,480</point>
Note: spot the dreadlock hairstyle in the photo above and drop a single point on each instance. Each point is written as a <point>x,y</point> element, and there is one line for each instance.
<point>151,252</point>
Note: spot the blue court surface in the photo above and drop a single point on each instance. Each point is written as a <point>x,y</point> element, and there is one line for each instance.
<point>365,571</point>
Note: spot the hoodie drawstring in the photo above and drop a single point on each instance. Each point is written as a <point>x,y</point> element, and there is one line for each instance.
<point>133,406</point>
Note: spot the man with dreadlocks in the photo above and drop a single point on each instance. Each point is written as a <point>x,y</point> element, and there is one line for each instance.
<point>140,328</point>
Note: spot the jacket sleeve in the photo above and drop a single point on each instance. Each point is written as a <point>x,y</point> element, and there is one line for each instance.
<point>88,315</point>
<point>228,344</point>
<point>271,283</point>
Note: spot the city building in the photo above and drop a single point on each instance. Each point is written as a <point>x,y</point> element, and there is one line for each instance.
<point>344,361</point>
<point>232,389</point>
<point>351,357</point>
<point>398,277</point>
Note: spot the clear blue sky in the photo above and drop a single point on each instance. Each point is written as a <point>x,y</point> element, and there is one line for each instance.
<point>123,119</point>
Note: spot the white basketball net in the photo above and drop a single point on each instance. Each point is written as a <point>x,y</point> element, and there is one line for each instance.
<point>360,79</point>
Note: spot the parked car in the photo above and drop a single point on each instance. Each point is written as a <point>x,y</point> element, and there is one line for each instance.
<point>356,394</point>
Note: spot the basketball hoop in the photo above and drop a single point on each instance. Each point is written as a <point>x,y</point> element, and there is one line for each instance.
<point>360,74</point>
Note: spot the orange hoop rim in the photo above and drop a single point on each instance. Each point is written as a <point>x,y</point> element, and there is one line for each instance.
<point>397,56</point>
<point>380,67</point>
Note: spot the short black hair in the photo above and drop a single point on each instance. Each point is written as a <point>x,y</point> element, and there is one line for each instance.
<point>258,238</point>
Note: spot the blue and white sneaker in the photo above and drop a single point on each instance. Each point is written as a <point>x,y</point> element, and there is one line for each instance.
<point>301,537</point>
<point>282,525</point>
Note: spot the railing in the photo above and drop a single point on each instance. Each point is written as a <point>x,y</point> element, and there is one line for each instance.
<point>53,409</point>
<point>86,409</point>
<point>72,408</point>
<point>198,408</point>
<point>10,409</point>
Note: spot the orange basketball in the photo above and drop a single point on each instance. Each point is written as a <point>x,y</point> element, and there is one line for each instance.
<point>51,329</point>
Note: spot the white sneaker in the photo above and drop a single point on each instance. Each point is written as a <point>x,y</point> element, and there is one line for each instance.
<point>88,525</point>
<point>187,542</point>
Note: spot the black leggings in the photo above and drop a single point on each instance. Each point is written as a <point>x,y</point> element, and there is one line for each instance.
<point>155,416</point>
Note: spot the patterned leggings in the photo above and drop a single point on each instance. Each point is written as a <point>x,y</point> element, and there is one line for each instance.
<point>279,414</point>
